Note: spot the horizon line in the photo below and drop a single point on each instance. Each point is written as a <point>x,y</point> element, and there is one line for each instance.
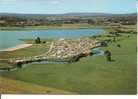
<point>67,13</point>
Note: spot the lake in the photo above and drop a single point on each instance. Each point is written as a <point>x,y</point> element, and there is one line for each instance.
<point>11,38</point>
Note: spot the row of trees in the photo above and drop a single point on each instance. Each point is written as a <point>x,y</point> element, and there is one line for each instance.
<point>124,20</point>
<point>20,21</point>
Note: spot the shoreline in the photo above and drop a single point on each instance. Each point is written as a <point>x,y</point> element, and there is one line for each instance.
<point>46,28</point>
<point>20,46</point>
<point>15,28</point>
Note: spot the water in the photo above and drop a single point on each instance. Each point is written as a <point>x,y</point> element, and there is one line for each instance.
<point>97,52</point>
<point>11,38</point>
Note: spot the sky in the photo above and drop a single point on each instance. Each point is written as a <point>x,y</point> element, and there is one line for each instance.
<point>67,6</point>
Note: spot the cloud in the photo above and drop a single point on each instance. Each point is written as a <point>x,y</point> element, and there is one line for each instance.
<point>55,2</point>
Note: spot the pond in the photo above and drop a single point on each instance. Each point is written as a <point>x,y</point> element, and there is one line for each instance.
<point>97,52</point>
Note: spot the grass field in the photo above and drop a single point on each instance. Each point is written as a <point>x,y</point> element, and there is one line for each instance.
<point>19,87</point>
<point>90,75</point>
<point>34,50</point>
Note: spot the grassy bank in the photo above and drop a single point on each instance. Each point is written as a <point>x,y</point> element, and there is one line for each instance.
<point>90,75</point>
<point>36,49</point>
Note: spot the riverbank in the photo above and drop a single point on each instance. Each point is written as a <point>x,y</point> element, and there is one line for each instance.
<point>21,46</point>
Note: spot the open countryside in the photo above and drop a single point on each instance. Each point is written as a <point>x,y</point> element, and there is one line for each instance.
<point>70,53</point>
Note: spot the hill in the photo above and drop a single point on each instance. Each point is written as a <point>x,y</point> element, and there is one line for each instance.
<point>64,15</point>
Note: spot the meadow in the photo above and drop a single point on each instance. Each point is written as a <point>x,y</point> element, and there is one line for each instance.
<point>90,75</point>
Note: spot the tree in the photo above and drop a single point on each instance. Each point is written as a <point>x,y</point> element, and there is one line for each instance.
<point>104,44</point>
<point>114,39</point>
<point>38,40</point>
<point>19,65</point>
<point>108,55</point>
<point>118,45</point>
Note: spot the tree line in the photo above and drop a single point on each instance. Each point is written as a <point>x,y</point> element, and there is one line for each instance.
<point>20,21</point>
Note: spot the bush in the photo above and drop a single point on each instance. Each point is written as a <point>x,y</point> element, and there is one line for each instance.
<point>118,45</point>
<point>104,44</point>
<point>108,55</point>
<point>19,65</point>
<point>38,40</point>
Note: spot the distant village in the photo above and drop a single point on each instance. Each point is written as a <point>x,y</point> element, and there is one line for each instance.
<point>57,20</point>
<point>69,48</point>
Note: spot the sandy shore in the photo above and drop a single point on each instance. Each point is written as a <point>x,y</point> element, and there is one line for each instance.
<point>18,47</point>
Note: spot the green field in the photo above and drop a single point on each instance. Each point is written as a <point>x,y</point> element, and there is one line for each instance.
<point>90,75</point>
<point>34,50</point>
<point>19,87</point>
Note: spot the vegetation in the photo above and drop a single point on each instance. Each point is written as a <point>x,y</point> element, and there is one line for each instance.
<point>59,20</point>
<point>11,86</point>
<point>38,40</point>
<point>91,75</point>
<point>36,49</point>
<point>108,55</point>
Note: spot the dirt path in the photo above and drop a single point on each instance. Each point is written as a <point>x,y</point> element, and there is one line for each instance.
<point>51,46</point>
